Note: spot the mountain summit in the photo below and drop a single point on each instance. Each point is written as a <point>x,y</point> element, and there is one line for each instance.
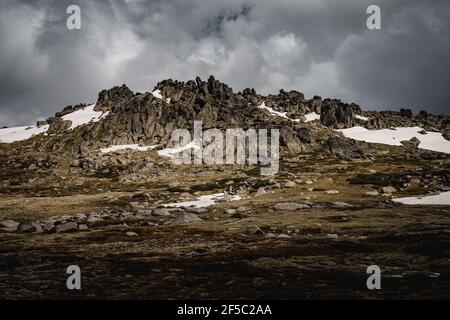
<point>122,117</point>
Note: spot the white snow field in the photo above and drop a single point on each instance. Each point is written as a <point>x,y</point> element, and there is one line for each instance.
<point>10,135</point>
<point>203,201</point>
<point>84,116</point>
<point>431,141</point>
<point>125,147</point>
<point>439,199</point>
<point>78,118</point>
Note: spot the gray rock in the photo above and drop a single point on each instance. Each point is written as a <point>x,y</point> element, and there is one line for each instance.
<point>332,192</point>
<point>67,227</point>
<point>8,226</point>
<point>122,214</point>
<point>131,234</point>
<point>144,212</point>
<point>186,218</point>
<point>41,123</point>
<point>254,230</point>
<point>58,125</point>
<point>290,206</point>
<point>347,149</point>
<point>337,115</point>
<point>388,190</point>
<point>239,215</point>
<point>94,219</point>
<point>372,193</point>
<point>242,209</point>
<point>290,184</point>
<point>49,227</point>
<point>406,113</point>
<point>260,192</point>
<point>290,139</point>
<point>199,210</point>
<point>80,216</point>
<point>230,211</point>
<point>38,227</point>
<point>27,227</point>
<point>446,135</point>
<point>340,204</point>
<point>161,213</point>
<point>83,227</point>
<point>413,143</point>
<point>271,235</point>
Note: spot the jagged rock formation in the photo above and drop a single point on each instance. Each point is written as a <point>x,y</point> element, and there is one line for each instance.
<point>110,99</point>
<point>148,118</point>
<point>57,125</point>
<point>338,115</point>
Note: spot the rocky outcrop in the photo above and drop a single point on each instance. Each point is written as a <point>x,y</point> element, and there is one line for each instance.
<point>376,123</point>
<point>348,149</point>
<point>407,113</point>
<point>150,119</point>
<point>413,143</point>
<point>58,125</point>
<point>446,134</point>
<point>291,140</point>
<point>337,115</point>
<point>113,98</point>
<point>147,119</point>
<point>41,123</point>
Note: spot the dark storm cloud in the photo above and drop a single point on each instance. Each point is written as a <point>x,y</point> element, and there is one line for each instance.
<point>314,46</point>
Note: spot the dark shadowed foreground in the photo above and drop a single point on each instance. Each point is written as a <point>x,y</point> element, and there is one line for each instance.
<point>318,245</point>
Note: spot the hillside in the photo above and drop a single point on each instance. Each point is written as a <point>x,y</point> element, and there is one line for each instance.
<point>95,185</point>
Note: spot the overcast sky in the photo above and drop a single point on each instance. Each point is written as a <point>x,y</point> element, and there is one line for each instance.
<point>314,46</point>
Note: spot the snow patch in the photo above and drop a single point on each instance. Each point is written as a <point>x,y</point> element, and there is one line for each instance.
<point>157,94</point>
<point>85,115</point>
<point>78,118</point>
<point>276,113</point>
<point>125,147</point>
<point>170,152</point>
<point>203,201</point>
<point>362,118</point>
<point>433,141</point>
<point>312,117</point>
<point>440,199</point>
<point>309,117</point>
<point>10,135</point>
<point>273,112</point>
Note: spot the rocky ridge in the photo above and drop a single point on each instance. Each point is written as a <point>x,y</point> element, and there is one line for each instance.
<point>149,119</point>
